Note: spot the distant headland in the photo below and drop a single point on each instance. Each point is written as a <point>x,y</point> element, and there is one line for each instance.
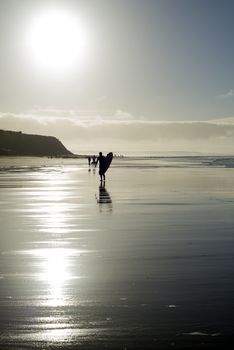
<point>13,143</point>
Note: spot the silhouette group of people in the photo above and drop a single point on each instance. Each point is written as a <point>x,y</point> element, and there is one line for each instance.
<point>92,160</point>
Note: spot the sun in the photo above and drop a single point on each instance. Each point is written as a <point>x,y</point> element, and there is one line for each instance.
<point>57,40</point>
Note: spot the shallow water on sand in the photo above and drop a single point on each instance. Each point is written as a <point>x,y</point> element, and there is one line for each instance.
<point>145,262</point>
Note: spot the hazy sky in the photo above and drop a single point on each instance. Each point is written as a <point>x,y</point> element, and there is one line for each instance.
<point>151,60</point>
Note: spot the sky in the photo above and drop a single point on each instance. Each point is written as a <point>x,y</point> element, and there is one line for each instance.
<point>152,75</point>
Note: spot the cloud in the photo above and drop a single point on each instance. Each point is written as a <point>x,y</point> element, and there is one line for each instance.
<point>50,112</point>
<point>121,132</point>
<point>86,115</point>
<point>121,115</point>
<point>229,94</point>
<point>227,120</point>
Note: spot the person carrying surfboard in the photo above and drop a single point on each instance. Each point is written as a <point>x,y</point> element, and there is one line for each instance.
<point>104,163</point>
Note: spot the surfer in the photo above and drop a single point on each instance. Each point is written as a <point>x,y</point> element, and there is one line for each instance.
<point>102,165</point>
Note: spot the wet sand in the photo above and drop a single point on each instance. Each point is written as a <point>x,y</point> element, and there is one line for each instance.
<point>146,262</point>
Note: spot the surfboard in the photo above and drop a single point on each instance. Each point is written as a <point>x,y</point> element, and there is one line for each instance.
<point>108,161</point>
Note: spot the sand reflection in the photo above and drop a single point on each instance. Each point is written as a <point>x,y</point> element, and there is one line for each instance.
<point>104,199</point>
<point>50,205</point>
<point>55,271</point>
<point>53,210</point>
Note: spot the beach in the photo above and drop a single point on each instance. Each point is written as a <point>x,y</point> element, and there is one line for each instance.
<point>144,262</point>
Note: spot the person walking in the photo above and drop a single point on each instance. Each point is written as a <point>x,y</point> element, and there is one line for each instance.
<point>102,166</point>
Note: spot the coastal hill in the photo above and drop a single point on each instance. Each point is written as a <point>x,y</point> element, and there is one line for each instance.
<point>19,144</point>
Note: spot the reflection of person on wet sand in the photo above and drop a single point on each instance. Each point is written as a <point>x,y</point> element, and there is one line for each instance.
<point>104,199</point>
<point>104,196</point>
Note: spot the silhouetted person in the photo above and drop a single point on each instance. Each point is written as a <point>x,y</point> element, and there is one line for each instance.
<point>89,160</point>
<point>102,166</point>
<point>94,160</point>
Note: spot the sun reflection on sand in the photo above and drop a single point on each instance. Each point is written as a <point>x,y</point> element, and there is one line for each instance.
<point>53,210</point>
<point>53,204</point>
<point>55,271</point>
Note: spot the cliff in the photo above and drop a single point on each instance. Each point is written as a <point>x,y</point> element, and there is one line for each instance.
<point>19,144</point>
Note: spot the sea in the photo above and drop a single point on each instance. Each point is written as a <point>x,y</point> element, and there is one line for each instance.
<point>142,261</point>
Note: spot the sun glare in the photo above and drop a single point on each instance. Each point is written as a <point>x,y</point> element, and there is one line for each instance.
<point>57,41</point>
